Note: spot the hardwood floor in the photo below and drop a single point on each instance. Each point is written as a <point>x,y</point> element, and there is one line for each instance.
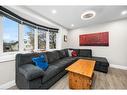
<point>114,79</point>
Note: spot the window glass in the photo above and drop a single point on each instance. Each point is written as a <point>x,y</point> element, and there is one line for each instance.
<point>52,40</point>
<point>41,39</point>
<point>10,35</point>
<point>28,38</point>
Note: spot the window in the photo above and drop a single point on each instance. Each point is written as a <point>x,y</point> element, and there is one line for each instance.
<point>41,39</point>
<point>52,40</point>
<point>10,35</point>
<point>28,38</point>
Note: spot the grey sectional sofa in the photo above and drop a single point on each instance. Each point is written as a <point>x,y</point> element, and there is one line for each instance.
<point>28,76</point>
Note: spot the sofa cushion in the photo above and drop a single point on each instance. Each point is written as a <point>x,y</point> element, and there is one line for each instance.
<point>85,53</point>
<point>63,63</point>
<point>101,61</point>
<point>52,56</point>
<point>62,54</point>
<point>50,72</point>
<point>30,72</point>
<point>56,67</point>
<point>71,59</point>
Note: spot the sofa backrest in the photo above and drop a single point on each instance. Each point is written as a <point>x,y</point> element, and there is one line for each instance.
<point>52,56</point>
<point>25,58</point>
<point>63,53</point>
<point>85,53</point>
<point>55,55</point>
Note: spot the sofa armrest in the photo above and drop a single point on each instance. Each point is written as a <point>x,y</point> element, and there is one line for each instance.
<point>30,72</point>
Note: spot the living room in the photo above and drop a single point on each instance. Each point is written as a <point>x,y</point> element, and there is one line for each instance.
<point>50,30</point>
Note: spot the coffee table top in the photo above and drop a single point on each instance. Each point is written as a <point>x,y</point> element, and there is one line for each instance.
<point>83,67</point>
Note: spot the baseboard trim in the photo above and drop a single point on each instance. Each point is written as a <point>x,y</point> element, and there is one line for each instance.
<point>118,66</point>
<point>7,85</point>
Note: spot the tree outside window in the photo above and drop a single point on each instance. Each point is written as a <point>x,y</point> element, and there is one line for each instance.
<point>41,39</point>
<point>28,38</point>
<point>52,40</point>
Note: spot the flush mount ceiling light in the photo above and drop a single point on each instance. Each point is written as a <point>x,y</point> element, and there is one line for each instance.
<point>54,11</point>
<point>124,12</point>
<point>87,15</point>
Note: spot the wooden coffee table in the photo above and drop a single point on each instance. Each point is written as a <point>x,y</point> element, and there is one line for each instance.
<point>80,74</point>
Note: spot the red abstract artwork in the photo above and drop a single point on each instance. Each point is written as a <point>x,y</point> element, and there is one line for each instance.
<point>95,39</point>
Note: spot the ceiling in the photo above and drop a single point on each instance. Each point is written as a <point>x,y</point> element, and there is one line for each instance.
<point>67,15</point>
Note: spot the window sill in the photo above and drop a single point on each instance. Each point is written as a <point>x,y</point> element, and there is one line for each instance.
<point>9,56</point>
<point>6,58</point>
<point>51,49</point>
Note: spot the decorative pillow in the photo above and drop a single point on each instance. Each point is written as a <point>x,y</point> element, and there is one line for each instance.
<point>64,53</point>
<point>74,53</point>
<point>40,62</point>
<point>70,52</point>
<point>77,50</point>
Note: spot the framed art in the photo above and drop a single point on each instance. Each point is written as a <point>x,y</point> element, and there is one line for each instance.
<point>65,38</point>
<point>94,39</point>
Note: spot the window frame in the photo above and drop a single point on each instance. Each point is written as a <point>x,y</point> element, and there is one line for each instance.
<point>45,39</point>
<point>2,40</point>
<point>55,41</point>
<point>1,33</point>
<point>34,32</point>
<point>21,31</point>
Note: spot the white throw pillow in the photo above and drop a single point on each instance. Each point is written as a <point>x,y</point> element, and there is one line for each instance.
<point>70,51</point>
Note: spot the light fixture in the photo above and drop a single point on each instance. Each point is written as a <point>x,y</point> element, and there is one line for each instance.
<point>72,25</point>
<point>124,12</point>
<point>87,15</point>
<point>53,11</point>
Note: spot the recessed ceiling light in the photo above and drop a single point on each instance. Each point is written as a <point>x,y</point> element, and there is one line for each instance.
<point>87,15</point>
<point>124,12</point>
<point>72,25</point>
<point>54,11</point>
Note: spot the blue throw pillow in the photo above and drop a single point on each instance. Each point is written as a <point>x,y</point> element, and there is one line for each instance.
<point>40,62</point>
<point>43,58</point>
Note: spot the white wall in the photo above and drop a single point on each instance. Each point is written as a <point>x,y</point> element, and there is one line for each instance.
<point>60,39</point>
<point>7,72</point>
<point>64,44</point>
<point>116,52</point>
